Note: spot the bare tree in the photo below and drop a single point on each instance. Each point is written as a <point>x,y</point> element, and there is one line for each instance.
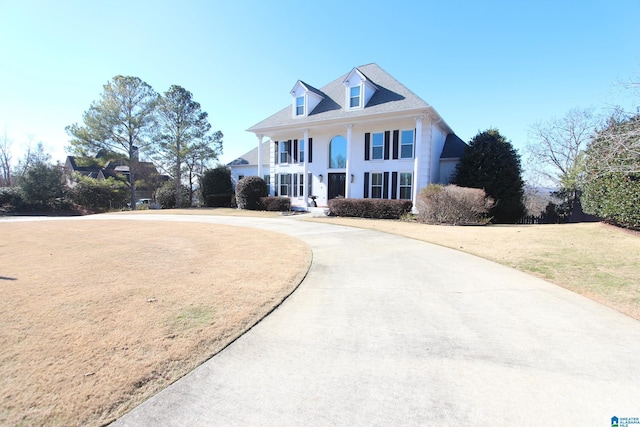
<point>556,147</point>
<point>5,160</point>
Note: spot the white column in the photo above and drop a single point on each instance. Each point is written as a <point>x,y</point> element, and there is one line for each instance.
<point>347,178</point>
<point>416,161</point>
<point>260,156</point>
<point>305,169</point>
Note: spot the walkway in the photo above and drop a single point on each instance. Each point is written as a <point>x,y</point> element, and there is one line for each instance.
<point>387,330</point>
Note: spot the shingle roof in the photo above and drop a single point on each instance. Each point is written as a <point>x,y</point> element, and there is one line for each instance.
<point>251,158</point>
<point>453,147</point>
<point>391,96</point>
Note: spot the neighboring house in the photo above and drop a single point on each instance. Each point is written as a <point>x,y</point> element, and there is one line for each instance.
<point>247,165</point>
<point>364,135</point>
<point>147,172</point>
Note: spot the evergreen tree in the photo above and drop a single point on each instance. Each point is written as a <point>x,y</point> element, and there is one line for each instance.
<point>492,164</point>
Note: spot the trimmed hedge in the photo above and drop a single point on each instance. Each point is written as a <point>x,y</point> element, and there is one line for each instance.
<point>438,204</point>
<point>275,204</point>
<point>218,200</point>
<point>249,190</point>
<point>370,208</point>
<point>11,198</point>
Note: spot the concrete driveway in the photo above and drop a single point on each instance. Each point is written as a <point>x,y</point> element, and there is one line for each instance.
<point>386,330</point>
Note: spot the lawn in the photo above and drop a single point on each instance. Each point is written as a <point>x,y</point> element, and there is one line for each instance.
<point>597,260</point>
<point>97,316</point>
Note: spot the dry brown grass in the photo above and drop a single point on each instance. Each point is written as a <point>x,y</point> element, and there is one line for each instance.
<point>97,316</point>
<point>597,260</point>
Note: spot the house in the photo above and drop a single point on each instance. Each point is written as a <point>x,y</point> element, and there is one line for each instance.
<point>364,135</point>
<point>147,177</point>
<point>247,165</point>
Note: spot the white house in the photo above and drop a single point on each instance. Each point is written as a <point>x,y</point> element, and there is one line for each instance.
<point>247,165</point>
<point>364,135</point>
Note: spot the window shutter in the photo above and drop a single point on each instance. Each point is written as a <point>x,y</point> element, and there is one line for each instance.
<point>396,135</point>
<point>387,137</point>
<point>289,151</point>
<point>295,151</point>
<point>366,185</point>
<point>276,157</point>
<point>310,150</point>
<point>385,188</point>
<point>367,145</point>
<point>276,188</point>
<point>295,185</point>
<point>394,185</point>
<point>309,187</point>
<point>289,185</point>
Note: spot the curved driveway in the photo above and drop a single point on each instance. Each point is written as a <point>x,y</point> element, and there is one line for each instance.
<point>386,330</point>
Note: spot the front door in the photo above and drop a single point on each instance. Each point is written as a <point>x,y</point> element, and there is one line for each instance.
<point>336,185</point>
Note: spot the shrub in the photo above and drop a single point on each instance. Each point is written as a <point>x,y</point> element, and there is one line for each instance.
<point>216,182</point>
<point>249,190</point>
<point>99,195</point>
<point>42,185</point>
<point>275,204</point>
<point>218,200</point>
<point>454,205</point>
<point>166,195</point>
<point>11,198</point>
<point>370,208</point>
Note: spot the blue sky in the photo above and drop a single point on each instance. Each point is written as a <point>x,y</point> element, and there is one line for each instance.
<point>502,64</point>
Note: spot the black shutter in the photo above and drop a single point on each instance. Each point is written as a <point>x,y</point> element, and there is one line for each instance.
<point>289,151</point>
<point>385,189</point>
<point>276,187</point>
<point>396,134</point>
<point>366,185</point>
<point>289,192</point>
<point>277,154</point>
<point>295,185</point>
<point>367,145</point>
<point>309,187</point>
<point>387,138</point>
<point>394,185</point>
<point>295,151</point>
<point>310,150</point>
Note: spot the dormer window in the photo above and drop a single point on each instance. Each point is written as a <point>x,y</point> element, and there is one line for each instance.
<point>304,99</point>
<point>354,97</point>
<point>359,90</point>
<point>300,106</point>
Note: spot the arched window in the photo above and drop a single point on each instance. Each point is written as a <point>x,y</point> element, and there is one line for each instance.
<point>338,153</point>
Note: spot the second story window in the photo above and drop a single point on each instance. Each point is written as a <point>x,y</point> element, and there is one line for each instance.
<point>301,153</point>
<point>300,106</point>
<point>285,151</point>
<point>406,144</point>
<point>354,97</point>
<point>377,146</point>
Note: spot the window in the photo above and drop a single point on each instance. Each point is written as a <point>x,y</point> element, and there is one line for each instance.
<point>376,186</point>
<point>301,185</point>
<point>338,153</point>
<point>267,180</point>
<point>300,106</point>
<point>301,148</point>
<point>405,185</point>
<point>354,97</point>
<point>284,184</point>
<point>377,146</point>
<point>406,144</point>
<point>285,150</point>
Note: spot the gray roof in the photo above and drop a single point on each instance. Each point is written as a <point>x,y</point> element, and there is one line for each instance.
<point>391,96</point>
<point>453,147</point>
<point>251,158</point>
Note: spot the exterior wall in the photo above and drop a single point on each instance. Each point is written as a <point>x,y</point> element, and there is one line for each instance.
<point>357,164</point>
<point>246,170</point>
<point>438,140</point>
<point>447,167</point>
